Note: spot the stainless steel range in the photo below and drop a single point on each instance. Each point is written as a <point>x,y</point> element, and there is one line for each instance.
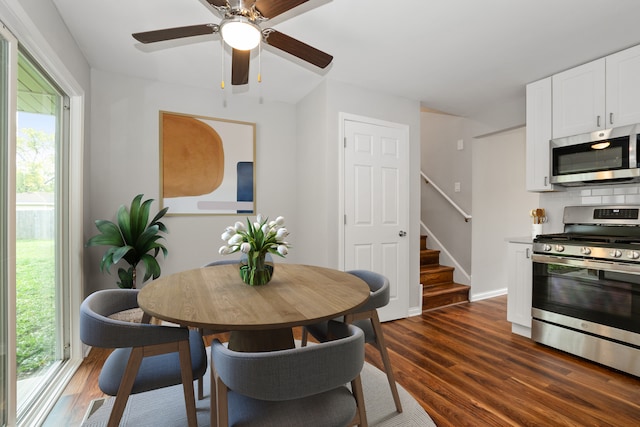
<point>586,286</point>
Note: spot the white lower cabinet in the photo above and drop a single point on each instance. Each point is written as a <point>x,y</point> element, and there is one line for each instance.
<point>519,277</point>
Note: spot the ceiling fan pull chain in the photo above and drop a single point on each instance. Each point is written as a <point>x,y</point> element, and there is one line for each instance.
<point>260,63</point>
<point>222,64</point>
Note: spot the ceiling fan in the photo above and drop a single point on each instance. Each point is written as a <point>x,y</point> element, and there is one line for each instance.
<point>240,29</point>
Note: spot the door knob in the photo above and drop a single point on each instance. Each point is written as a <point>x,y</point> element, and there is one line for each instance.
<point>402,233</point>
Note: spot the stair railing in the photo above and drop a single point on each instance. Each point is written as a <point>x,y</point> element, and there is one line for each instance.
<point>465,215</point>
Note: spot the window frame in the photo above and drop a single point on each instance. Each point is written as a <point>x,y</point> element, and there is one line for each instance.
<point>27,34</point>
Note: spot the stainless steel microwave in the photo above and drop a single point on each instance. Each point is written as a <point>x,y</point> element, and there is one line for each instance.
<point>603,157</point>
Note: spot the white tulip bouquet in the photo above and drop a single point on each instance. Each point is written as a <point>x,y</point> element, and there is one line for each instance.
<point>256,239</point>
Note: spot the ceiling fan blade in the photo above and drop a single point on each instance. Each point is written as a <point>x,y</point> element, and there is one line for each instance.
<point>218,3</point>
<point>175,33</point>
<point>296,48</point>
<point>240,67</point>
<point>272,8</point>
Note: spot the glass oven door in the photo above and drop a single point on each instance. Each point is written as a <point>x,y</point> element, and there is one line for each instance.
<point>605,293</point>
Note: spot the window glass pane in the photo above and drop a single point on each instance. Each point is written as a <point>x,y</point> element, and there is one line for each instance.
<point>39,338</point>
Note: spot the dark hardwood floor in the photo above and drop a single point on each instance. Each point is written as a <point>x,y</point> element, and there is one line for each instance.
<point>466,368</point>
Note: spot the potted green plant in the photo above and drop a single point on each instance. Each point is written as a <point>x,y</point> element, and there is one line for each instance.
<point>133,239</point>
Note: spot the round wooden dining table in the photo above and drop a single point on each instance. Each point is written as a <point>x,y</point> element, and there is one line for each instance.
<point>259,318</point>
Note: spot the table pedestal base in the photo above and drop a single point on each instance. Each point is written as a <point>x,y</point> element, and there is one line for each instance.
<point>263,340</point>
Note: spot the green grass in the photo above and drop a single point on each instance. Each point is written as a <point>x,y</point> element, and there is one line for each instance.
<point>35,305</point>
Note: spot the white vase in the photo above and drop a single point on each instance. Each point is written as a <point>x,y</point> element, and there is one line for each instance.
<point>536,229</point>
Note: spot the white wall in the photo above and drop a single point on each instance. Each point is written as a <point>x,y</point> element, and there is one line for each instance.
<point>445,165</point>
<point>501,207</point>
<point>312,167</point>
<point>124,161</point>
<point>502,116</point>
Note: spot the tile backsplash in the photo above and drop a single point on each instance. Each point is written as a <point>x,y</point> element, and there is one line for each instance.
<point>610,195</point>
<point>554,202</point>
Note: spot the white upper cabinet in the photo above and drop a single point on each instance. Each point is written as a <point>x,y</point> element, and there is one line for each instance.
<point>579,99</point>
<point>538,135</point>
<point>623,88</point>
<point>598,95</point>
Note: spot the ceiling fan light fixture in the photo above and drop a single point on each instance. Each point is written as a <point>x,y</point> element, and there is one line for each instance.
<point>240,33</point>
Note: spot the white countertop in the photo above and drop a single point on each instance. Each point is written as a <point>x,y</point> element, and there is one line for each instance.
<point>525,239</point>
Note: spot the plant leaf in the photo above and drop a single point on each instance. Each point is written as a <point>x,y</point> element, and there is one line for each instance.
<point>110,234</point>
<point>146,239</point>
<point>107,260</point>
<point>124,222</point>
<point>151,267</point>
<point>155,219</point>
<point>120,252</point>
<point>143,216</point>
<point>159,215</point>
<point>135,203</point>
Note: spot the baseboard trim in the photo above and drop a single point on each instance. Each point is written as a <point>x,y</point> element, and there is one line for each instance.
<point>487,295</point>
<point>417,311</point>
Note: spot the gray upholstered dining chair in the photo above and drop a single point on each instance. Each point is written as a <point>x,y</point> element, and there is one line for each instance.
<point>268,257</point>
<point>366,318</point>
<point>146,357</point>
<point>303,386</point>
<point>222,262</point>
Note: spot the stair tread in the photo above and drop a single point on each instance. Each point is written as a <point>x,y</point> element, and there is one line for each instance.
<point>443,288</point>
<point>433,268</point>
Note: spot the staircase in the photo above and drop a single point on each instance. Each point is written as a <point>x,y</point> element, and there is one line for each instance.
<point>438,288</point>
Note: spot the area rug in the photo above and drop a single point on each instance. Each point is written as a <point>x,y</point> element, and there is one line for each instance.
<point>165,407</point>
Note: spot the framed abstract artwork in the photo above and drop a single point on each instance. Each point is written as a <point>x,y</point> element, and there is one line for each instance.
<point>207,165</point>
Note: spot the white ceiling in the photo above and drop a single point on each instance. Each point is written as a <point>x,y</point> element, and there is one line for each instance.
<point>456,56</point>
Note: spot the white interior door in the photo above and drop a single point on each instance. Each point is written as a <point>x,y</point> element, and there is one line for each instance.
<point>376,206</point>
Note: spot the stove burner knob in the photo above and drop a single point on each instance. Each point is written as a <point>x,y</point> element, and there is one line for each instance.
<point>615,253</point>
<point>559,248</point>
<point>546,248</point>
<point>585,251</point>
<point>633,255</point>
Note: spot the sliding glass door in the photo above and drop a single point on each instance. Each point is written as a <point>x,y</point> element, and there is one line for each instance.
<point>34,228</point>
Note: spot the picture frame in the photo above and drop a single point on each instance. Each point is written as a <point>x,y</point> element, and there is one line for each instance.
<point>207,165</point>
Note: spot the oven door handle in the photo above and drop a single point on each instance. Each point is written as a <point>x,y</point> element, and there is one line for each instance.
<point>587,263</point>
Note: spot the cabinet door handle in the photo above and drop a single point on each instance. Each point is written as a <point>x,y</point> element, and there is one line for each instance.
<point>527,253</point>
<point>610,118</point>
<point>598,121</point>
<point>546,178</point>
